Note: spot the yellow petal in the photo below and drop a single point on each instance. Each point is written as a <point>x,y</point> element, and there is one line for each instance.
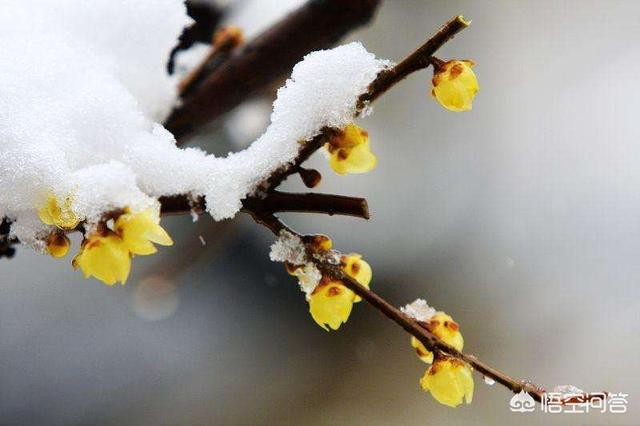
<point>158,235</point>
<point>423,353</point>
<point>446,329</point>
<point>45,215</point>
<point>450,381</point>
<point>330,304</point>
<point>140,230</point>
<point>349,151</point>
<point>104,257</point>
<point>62,216</point>
<point>358,269</point>
<point>142,248</point>
<point>455,85</point>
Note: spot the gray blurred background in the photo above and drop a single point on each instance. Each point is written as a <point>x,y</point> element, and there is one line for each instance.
<point>521,219</point>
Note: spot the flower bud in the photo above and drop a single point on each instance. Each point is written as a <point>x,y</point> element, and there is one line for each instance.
<point>58,244</point>
<point>455,85</point>
<point>349,151</point>
<point>450,381</point>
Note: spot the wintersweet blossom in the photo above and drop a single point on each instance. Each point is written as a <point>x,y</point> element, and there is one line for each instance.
<point>140,230</point>
<point>330,304</point>
<point>105,256</point>
<point>331,301</point>
<point>349,151</point>
<point>450,381</point>
<point>455,85</point>
<point>357,269</point>
<point>58,213</point>
<point>444,328</point>
<point>58,244</point>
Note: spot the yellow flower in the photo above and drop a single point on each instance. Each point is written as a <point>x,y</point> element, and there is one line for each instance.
<point>58,244</point>
<point>105,256</point>
<point>330,304</point>
<point>455,85</point>
<point>52,213</point>
<point>349,151</point>
<point>445,329</point>
<point>140,230</point>
<point>424,354</point>
<point>353,265</point>
<point>331,301</point>
<point>450,381</point>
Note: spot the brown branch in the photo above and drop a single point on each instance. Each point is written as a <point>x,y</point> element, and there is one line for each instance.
<point>411,326</point>
<point>225,40</point>
<point>276,202</point>
<point>206,17</point>
<point>6,242</point>
<point>181,204</point>
<point>429,340</point>
<point>330,204</point>
<point>419,59</point>
<point>316,25</point>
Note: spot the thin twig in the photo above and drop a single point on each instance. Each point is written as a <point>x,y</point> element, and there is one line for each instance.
<point>429,340</point>
<point>225,40</point>
<point>206,17</point>
<point>411,326</point>
<point>276,202</point>
<point>330,204</point>
<point>419,59</point>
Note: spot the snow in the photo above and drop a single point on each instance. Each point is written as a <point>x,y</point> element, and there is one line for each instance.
<point>290,248</point>
<point>84,90</point>
<point>308,278</point>
<point>567,390</point>
<point>419,310</point>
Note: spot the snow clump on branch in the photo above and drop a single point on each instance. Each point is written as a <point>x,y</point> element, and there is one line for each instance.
<point>84,91</point>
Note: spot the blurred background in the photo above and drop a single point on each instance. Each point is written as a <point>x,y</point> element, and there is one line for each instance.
<point>520,218</point>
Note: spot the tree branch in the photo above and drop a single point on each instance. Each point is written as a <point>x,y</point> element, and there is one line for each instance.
<point>419,59</point>
<point>330,204</point>
<point>316,25</point>
<point>411,326</point>
<point>6,243</point>
<point>206,18</point>
<point>430,341</point>
<point>276,202</point>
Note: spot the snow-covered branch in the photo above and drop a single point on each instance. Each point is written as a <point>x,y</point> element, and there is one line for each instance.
<point>83,148</point>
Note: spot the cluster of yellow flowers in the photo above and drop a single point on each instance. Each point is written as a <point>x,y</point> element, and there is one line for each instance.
<point>331,302</point>
<point>448,379</point>
<point>106,253</point>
